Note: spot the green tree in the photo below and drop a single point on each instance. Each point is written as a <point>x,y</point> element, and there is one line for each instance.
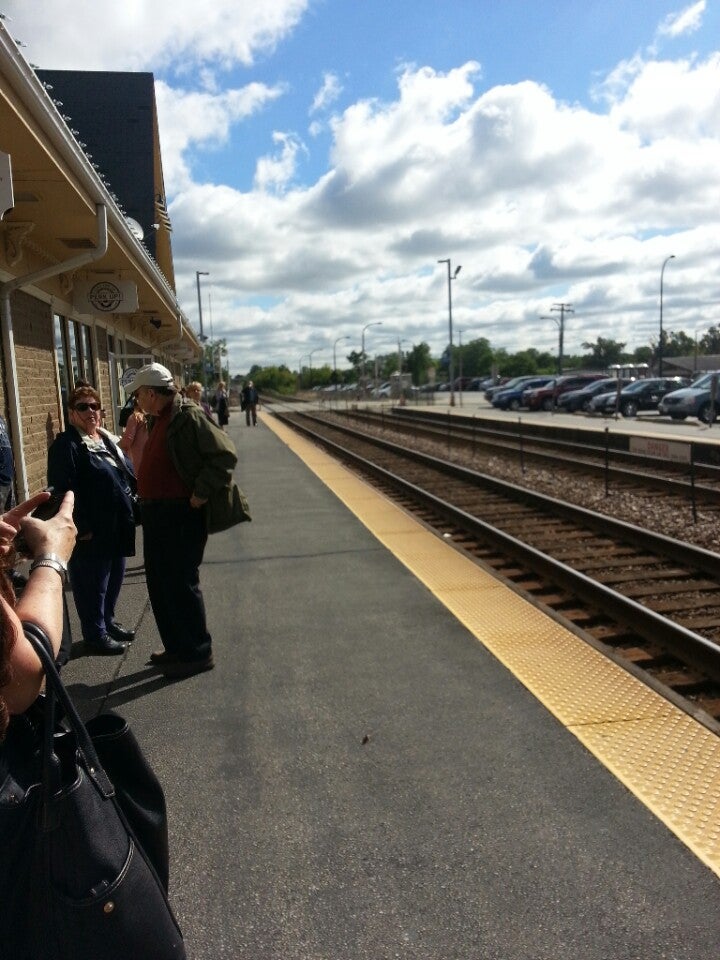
<point>276,379</point>
<point>602,353</point>
<point>710,342</point>
<point>418,362</point>
<point>643,355</point>
<point>212,362</point>
<point>477,357</point>
<point>678,344</point>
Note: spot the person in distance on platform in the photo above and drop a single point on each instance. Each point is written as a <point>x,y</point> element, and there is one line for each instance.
<point>187,460</point>
<point>222,405</point>
<point>86,459</point>
<point>249,402</point>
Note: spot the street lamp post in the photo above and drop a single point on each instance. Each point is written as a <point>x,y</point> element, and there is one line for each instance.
<point>310,355</point>
<point>375,323</point>
<point>300,369</point>
<point>460,374</point>
<point>662,335</point>
<point>335,361</point>
<point>562,309</point>
<point>203,338</point>
<point>400,372</point>
<point>451,276</point>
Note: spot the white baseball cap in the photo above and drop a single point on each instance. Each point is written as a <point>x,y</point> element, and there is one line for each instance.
<point>151,375</point>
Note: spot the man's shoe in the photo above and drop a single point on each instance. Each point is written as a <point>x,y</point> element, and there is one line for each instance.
<point>177,669</point>
<point>105,646</point>
<point>162,656</point>
<point>118,632</point>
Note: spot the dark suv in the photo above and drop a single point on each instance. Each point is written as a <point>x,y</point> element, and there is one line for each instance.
<point>545,398</point>
<point>573,400</point>
<point>640,395</point>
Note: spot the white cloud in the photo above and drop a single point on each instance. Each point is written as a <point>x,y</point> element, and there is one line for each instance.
<point>686,21</point>
<point>275,173</point>
<point>192,119</point>
<point>537,199</point>
<point>142,35</point>
<point>327,94</point>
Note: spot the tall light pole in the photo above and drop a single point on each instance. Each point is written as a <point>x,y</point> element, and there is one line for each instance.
<point>662,335</point>
<point>451,276</point>
<point>375,323</point>
<point>335,361</point>
<point>460,375</point>
<point>203,338</point>
<point>300,369</point>
<point>310,355</point>
<point>400,371</point>
<point>562,309</point>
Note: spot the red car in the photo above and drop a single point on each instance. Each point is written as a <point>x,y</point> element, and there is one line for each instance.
<point>545,398</point>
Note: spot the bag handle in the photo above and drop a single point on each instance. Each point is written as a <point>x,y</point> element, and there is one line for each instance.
<point>55,691</point>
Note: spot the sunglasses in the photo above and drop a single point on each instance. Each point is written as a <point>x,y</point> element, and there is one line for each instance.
<point>84,407</point>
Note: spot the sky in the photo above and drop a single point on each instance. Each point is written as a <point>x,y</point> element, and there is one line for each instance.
<point>321,156</point>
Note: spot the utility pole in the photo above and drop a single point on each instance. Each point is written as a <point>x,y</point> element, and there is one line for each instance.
<point>562,309</point>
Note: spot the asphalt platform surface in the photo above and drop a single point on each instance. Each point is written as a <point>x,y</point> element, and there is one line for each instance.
<point>359,779</point>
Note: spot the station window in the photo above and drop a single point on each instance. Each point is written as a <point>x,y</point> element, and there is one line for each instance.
<point>74,355</point>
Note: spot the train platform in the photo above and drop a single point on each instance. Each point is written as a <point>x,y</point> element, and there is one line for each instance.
<point>396,756</point>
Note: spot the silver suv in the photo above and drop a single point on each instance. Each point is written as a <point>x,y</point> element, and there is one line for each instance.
<point>693,401</point>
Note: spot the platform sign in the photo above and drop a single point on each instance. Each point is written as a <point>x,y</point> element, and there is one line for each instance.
<point>670,450</point>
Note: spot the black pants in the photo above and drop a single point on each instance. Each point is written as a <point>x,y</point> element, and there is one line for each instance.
<point>174,538</point>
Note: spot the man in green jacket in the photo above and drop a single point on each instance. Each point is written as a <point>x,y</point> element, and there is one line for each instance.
<point>184,485</point>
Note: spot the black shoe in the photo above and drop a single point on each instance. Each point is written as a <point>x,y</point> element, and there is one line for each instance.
<point>162,656</point>
<point>118,632</point>
<point>105,646</point>
<point>177,669</point>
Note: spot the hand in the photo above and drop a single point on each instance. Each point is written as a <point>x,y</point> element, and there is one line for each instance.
<point>197,502</point>
<point>56,535</point>
<point>10,521</point>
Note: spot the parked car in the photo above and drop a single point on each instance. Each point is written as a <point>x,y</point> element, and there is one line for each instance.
<point>512,399</point>
<point>506,384</point>
<point>640,395</point>
<point>379,390</point>
<point>573,400</point>
<point>545,398</point>
<point>481,383</point>
<point>692,401</point>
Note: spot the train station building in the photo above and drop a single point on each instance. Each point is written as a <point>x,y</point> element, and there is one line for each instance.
<point>87,286</point>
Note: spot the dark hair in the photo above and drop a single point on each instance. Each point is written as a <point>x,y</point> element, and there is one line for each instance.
<point>82,391</point>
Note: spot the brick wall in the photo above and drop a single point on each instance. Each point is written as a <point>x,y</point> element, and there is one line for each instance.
<point>37,382</point>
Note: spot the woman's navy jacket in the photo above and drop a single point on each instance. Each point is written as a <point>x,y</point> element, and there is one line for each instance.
<point>103,505</point>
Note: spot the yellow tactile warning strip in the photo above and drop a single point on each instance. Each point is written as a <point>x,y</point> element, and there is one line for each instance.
<point>670,762</point>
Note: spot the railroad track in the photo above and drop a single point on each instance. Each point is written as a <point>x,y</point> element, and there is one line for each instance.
<point>591,455</point>
<point>650,602</point>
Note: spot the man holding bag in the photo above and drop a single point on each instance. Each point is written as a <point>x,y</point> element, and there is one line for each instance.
<point>186,491</point>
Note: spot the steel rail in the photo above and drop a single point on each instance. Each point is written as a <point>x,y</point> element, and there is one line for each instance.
<point>636,536</point>
<point>686,645</point>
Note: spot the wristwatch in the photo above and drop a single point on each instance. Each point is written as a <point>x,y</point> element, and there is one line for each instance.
<point>53,561</point>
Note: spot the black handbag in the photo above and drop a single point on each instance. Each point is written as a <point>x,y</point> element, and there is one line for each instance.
<point>83,860</point>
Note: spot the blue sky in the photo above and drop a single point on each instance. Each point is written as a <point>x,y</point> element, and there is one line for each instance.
<point>321,156</point>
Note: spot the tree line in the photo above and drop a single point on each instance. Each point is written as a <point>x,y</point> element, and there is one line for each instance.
<point>478,358</point>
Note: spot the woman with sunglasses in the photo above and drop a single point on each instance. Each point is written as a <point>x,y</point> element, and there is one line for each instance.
<point>87,459</point>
